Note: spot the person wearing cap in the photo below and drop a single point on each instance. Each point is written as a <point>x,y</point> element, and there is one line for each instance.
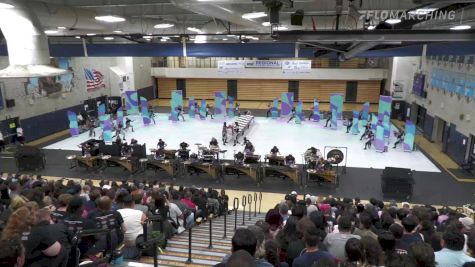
<point>335,242</point>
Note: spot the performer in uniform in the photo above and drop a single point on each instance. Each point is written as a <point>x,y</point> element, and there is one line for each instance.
<point>236,133</point>
<point>224,133</point>
<point>128,124</point>
<point>349,124</point>
<point>269,110</point>
<point>274,151</point>
<point>236,110</point>
<point>248,148</point>
<point>208,111</point>
<point>19,135</point>
<point>289,160</point>
<point>311,157</point>
<point>161,144</point>
<point>2,142</point>
<point>151,114</point>
<point>329,118</point>
<point>400,137</point>
<point>370,140</point>
<point>197,108</point>
<point>366,131</point>
<point>179,111</point>
<point>292,116</point>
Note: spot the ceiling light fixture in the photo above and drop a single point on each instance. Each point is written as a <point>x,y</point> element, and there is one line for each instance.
<point>117,31</point>
<point>148,37</point>
<point>62,28</point>
<point>254,15</point>
<point>200,39</point>
<point>193,29</point>
<point>460,27</point>
<point>266,24</point>
<point>51,31</point>
<point>5,5</point>
<point>108,38</point>
<point>393,21</point>
<point>78,37</point>
<point>231,35</point>
<point>110,18</point>
<point>225,39</point>
<point>371,27</point>
<point>282,28</point>
<point>163,25</point>
<point>90,34</point>
<point>163,40</point>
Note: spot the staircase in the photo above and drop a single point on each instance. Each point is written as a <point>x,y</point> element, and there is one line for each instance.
<point>176,253</point>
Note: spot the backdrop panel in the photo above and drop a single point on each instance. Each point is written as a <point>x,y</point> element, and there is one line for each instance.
<point>275,108</point>
<point>337,101</point>
<point>355,127</point>
<point>101,111</point>
<point>203,109</point>
<point>131,102</point>
<point>144,109</point>
<point>384,113</point>
<point>120,117</point>
<point>231,107</point>
<point>379,138</point>
<point>409,137</point>
<point>299,113</point>
<point>175,103</point>
<point>365,111</point>
<point>107,132</point>
<point>287,100</point>
<point>191,107</point>
<point>219,103</point>
<point>73,123</point>
<point>316,111</point>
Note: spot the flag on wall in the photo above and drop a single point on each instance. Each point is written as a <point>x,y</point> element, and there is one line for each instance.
<point>94,79</point>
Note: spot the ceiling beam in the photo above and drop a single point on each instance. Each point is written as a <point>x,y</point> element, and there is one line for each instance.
<point>376,36</point>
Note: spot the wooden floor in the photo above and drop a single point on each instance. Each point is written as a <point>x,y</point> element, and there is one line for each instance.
<point>435,152</point>
<point>263,105</point>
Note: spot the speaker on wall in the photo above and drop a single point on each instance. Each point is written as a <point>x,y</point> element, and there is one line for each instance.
<point>10,103</point>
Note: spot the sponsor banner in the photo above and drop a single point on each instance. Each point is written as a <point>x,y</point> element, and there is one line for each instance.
<point>288,66</point>
<point>296,66</point>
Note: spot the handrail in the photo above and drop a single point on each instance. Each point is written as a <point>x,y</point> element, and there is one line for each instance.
<point>225,225</point>
<point>189,260</point>
<point>260,201</point>
<point>108,252</point>
<point>210,219</point>
<point>235,207</point>
<point>244,203</point>
<point>255,204</point>
<point>249,201</point>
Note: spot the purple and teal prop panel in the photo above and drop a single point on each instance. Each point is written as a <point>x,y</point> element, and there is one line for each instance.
<point>299,113</point>
<point>384,113</point>
<point>176,101</point>
<point>316,111</point>
<point>73,123</point>
<point>334,103</point>
<point>365,111</point>
<point>355,127</point>
<point>409,136</point>
<point>107,131</point>
<point>230,107</point>
<point>219,103</point>
<point>203,109</point>
<point>379,138</point>
<point>191,107</point>
<point>275,108</point>
<point>144,109</point>
<point>374,122</point>
<point>102,115</point>
<point>337,101</point>
<point>131,102</point>
<point>287,100</point>
<point>120,117</point>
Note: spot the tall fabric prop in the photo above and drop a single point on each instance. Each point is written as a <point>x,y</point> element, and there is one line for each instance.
<point>275,108</point>
<point>176,101</point>
<point>316,111</point>
<point>107,131</point>
<point>379,138</point>
<point>203,109</point>
<point>191,107</point>
<point>365,111</point>
<point>219,104</point>
<point>144,109</point>
<point>231,107</point>
<point>374,122</point>
<point>73,123</point>
<point>354,128</point>
<point>334,110</point>
<point>120,117</point>
<point>102,115</point>
<point>298,113</point>
<point>131,102</point>
<point>409,136</point>
<point>287,100</point>
<point>337,101</point>
<point>384,113</point>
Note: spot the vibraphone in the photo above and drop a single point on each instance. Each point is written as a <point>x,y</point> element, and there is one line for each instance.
<point>275,160</point>
<point>213,170</point>
<point>330,176</point>
<point>91,162</point>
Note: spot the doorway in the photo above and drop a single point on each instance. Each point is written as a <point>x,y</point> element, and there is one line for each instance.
<point>438,133</point>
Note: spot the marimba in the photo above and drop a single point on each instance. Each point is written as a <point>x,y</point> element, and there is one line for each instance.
<point>291,172</point>
<point>250,170</point>
<point>330,176</point>
<point>88,162</point>
<point>275,160</point>
<point>129,164</point>
<point>211,169</point>
<point>165,165</point>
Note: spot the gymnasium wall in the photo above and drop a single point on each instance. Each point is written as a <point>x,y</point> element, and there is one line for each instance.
<point>42,114</point>
<point>266,89</point>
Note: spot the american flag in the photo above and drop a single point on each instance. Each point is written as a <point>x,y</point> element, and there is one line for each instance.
<point>94,79</point>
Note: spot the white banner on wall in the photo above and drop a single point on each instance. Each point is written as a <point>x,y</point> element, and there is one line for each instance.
<point>287,66</point>
<point>296,66</point>
<point>231,66</point>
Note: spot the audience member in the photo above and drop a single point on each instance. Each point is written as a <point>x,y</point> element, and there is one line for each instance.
<point>452,254</point>
<point>311,254</point>
<point>335,242</point>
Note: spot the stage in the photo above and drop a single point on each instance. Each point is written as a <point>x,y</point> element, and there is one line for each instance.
<point>290,138</point>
